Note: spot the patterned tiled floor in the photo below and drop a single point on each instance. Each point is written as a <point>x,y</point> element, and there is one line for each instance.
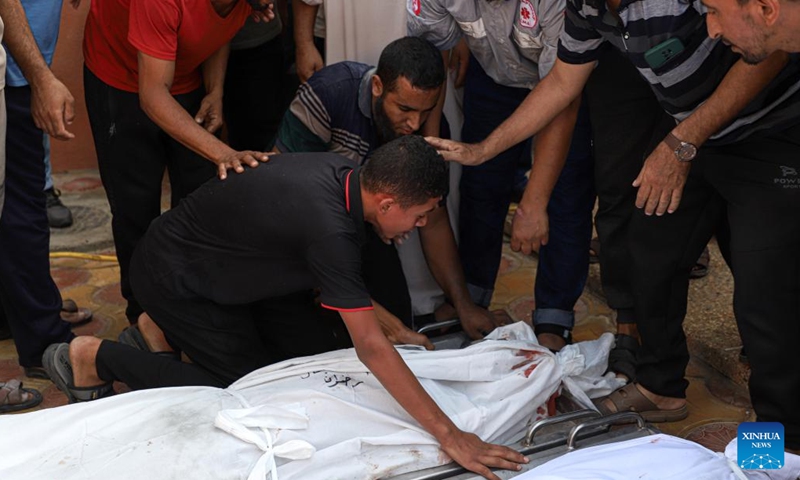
<point>717,404</point>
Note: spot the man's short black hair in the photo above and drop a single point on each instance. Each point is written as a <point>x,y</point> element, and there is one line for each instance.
<point>409,169</point>
<point>413,58</point>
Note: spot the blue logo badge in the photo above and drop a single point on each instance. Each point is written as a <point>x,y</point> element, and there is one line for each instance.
<point>760,445</point>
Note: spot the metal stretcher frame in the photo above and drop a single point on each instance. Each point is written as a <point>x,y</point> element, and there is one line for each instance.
<point>565,432</point>
<point>545,439</point>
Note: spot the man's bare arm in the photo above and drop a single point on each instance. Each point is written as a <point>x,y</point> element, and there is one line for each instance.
<point>551,96</point>
<point>52,106</point>
<point>441,254</point>
<point>531,224</point>
<point>307,58</point>
<point>155,80</point>
<point>396,332</point>
<point>662,178</point>
<point>433,124</point>
<point>210,113</point>
<point>388,366</point>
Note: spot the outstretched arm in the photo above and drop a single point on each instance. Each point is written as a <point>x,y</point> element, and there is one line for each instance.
<point>385,363</point>
<point>155,80</point>
<point>550,97</point>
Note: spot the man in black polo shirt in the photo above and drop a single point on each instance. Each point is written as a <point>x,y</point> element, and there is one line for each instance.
<point>352,108</point>
<point>740,121</point>
<point>204,270</point>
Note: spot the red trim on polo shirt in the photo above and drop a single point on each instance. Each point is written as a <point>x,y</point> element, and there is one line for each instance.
<point>347,191</point>
<point>362,309</point>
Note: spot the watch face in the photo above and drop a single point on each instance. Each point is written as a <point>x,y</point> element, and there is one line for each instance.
<point>686,152</point>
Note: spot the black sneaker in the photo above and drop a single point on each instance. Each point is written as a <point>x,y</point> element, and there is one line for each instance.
<point>58,215</point>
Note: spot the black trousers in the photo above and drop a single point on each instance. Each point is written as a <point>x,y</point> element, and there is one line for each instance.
<point>627,123</point>
<point>755,185</point>
<point>254,102</point>
<point>133,153</point>
<point>28,294</point>
<point>224,342</point>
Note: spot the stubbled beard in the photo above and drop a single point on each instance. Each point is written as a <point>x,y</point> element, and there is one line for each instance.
<point>752,59</point>
<point>383,125</point>
<point>759,42</point>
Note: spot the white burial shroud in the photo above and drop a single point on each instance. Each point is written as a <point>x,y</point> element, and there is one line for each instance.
<point>318,417</point>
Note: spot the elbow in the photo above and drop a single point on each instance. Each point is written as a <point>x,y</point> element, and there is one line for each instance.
<point>147,104</point>
<point>369,350</point>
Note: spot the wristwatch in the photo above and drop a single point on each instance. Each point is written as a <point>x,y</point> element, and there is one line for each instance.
<point>684,151</point>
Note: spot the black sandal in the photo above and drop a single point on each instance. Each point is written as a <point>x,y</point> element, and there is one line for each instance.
<point>622,359</point>
<point>56,363</point>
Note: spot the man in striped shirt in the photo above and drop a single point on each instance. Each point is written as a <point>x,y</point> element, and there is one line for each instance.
<point>755,28</point>
<point>352,108</point>
<point>745,118</point>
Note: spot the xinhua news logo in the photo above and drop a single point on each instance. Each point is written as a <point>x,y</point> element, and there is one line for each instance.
<point>760,445</point>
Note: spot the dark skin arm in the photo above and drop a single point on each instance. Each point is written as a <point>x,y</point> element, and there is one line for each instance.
<point>551,96</point>
<point>155,80</point>
<point>441,253</point>
<point>432,125</point>
<point>531,224</point>
<point>375,351</point>
<point>210,113</point>
<point>396,332</point>
<point>307,58</point>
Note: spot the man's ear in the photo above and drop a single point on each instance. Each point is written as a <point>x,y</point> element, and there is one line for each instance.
<point>768,11</point>
<point>377,86</point>
<point>386,204</point>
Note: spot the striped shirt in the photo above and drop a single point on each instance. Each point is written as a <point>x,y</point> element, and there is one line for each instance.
<point>685,81</point>
<point>332,112</point>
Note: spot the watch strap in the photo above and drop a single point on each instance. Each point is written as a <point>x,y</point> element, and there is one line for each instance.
<point>672,141</point>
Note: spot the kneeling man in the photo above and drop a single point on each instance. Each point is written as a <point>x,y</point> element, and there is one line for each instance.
<point>218,276</point>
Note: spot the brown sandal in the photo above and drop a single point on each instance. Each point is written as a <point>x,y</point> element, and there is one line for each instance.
<point>14,398</point>
<point>74,315</point>
<point>630,399</point>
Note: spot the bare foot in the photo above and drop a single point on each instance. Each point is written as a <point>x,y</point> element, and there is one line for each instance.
<point>663,403</point>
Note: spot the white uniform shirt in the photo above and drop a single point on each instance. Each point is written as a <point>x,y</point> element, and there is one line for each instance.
<point>515,41</point>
